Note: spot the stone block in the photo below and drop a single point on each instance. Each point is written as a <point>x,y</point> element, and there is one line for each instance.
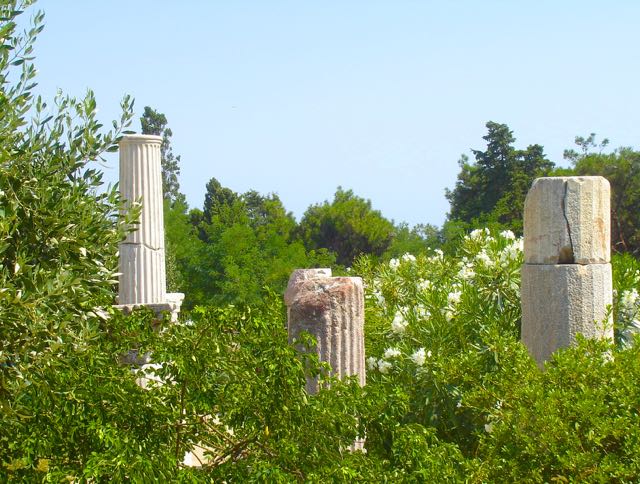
<point>562,301</point>
<point>567,221</point>
<point>332,310</point>
<point>300,275</point>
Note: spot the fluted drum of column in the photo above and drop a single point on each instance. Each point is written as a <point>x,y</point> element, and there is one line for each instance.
<point>142,255</point>
<point>332,310</point>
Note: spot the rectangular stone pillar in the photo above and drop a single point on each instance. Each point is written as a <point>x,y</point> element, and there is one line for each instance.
<point>142,279</point>
<point>332,310</point>
<point>566,277</point>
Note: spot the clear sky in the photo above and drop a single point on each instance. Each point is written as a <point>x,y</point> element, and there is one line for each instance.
<point>297,97</point>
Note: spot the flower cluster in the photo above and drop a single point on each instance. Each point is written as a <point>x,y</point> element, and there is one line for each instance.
<point>413,293</point>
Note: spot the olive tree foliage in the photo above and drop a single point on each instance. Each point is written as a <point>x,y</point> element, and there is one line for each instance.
<point>58,233</point>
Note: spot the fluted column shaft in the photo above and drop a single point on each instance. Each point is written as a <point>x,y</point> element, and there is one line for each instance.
<point>142,255</point>
<point>332,310</point>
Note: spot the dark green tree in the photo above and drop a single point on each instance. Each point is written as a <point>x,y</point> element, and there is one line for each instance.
<point>493,188</point>
<point>348,226</point>
<point>155,123</point>
<point>217,199</point>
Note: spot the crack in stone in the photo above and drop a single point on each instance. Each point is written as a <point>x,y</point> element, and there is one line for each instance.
<point>141,244</point>
<point>566,255</point>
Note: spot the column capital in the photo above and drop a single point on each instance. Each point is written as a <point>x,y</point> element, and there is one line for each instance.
<point>140,139</point>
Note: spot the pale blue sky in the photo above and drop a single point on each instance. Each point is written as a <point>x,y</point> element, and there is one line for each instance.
<point>298,97</point>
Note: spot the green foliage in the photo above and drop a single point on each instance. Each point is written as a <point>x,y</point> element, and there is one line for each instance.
<point>58,234</point>
<point>575,422</point>
<point>493,188</point>
<point>217,199</point>
<point>626,301</point>
<point>413,240</point>
<point>153,122</point>
<point>348,226</point>
<point>434,327</point>
<point>239,247</point>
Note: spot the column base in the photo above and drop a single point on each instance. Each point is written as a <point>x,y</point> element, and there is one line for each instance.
<point>172,305</point>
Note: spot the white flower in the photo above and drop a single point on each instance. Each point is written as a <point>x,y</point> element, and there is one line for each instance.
<point>148,377</point>
<point>394,264</point>
<point>391,352</point>
<point>420,356</point>
<point>488,427</point>
<point>408,257</point>
<point>439,253</point>
<point>476,234</point>
<point>484,258</point>
<point>422,312</point>
<point>379,297</point>
<point>191,460</point>
<point>399,323</point>
<point>629,298</point>
<point>629,304</point>
<point>448,315</point>
<point>454,298</point>
<point>466,272</point>
<point>507,234</point>
<point>511,251</point>
<point>424,285</point>
<point>384,366</point>
<point>372,363</point>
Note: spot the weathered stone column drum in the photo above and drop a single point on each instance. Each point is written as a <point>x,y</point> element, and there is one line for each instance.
<point>332,310</point>
<point>142,256</point>
<point>566,277</point>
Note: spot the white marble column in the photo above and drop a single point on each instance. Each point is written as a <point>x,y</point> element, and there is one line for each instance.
<point>142,254</point>
<point>331,309</point>
<point>566,277</point>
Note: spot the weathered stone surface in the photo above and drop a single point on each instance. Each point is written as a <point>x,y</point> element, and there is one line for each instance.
<point>171,305</point>
<point>567,221</point>
<point>142,257</point>
<point>300,275</point>
<point>561,301</point>
<point>332,310</point>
